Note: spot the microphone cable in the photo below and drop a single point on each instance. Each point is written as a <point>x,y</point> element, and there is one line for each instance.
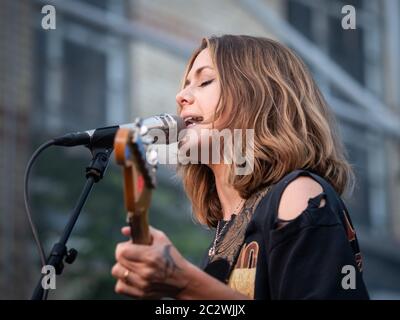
<point>26,200</point>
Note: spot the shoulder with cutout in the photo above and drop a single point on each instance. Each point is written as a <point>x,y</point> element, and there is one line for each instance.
<point>294,199</point>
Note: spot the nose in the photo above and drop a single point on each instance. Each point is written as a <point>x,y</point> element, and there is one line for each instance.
<point>184,97</point>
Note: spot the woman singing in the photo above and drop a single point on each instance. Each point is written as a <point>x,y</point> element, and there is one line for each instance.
<point>281,230</point>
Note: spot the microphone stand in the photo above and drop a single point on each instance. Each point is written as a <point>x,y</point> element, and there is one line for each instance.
<point>101,151</point>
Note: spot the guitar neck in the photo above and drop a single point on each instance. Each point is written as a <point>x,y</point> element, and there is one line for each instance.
<point>140,232</point>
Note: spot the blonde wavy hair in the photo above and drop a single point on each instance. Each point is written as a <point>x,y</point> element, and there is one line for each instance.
<point>266,87</point>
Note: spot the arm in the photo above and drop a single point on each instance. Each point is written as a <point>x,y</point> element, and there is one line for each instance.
<point>159,270</point>
<point>306,257</point>
<point>202,286</point>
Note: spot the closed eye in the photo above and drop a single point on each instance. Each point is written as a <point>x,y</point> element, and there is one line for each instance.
<point>206,83</point>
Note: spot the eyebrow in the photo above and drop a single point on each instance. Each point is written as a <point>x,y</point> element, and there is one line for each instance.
<point>196,73</point>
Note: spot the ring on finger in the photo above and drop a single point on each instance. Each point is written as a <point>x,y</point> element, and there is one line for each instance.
<point>126,276</point>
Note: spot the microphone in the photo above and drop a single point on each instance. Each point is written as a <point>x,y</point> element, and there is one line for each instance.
<point>162,129</point>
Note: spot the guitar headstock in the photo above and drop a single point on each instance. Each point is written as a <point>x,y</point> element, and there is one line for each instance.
<point>132,153</point>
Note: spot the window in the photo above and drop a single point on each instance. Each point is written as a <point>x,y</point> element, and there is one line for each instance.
<point>83,87</point>
<point>299,15</point>
<point>358,202</point>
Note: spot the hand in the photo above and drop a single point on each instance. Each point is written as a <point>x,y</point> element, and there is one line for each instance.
<point>149,271</point>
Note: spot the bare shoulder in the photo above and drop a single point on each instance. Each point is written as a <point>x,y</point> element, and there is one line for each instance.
<point>295,197</point>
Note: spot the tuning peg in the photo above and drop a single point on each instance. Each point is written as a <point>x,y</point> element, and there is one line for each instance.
<point>152,156</point>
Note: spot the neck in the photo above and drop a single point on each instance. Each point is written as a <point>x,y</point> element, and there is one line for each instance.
<point>227,195</point>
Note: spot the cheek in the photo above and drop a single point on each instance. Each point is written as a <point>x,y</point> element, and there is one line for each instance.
<point>222,121</point>
<point>210,99</point>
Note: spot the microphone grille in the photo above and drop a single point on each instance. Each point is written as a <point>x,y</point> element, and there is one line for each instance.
<point>180,124</point>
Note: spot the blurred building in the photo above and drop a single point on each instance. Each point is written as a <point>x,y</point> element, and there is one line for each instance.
<point>108,61</point>
<point>16,94</point>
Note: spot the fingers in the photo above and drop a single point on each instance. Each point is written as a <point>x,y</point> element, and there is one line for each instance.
<point>128,277</point>
<point>126,231</point>
<point>156,234</point>
<point>130,251</point>
<point>146,266</point>
<point>119,272</point>
<point>123,288</point>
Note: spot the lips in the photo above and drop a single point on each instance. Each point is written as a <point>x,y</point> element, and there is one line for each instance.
<point>191,121</point>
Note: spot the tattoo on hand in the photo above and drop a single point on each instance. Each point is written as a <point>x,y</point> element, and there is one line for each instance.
<point>160,287</point>
<point>170,265</point>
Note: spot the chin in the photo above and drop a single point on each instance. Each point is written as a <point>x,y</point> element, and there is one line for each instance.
<point>193,143</point>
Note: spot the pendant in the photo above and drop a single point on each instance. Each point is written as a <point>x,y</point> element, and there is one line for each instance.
<point>211,252</point>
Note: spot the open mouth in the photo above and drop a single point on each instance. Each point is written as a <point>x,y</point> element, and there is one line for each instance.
<point>192,121</point>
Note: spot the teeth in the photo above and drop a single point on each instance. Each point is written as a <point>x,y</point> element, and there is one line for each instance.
<point>198,119</point>
<point>188,121</point>
<point>192,120</point>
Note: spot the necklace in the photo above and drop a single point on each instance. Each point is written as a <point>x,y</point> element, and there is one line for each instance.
<point>218,233</point>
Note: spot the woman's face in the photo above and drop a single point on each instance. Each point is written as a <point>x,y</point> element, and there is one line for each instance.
<point>199,98</point>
